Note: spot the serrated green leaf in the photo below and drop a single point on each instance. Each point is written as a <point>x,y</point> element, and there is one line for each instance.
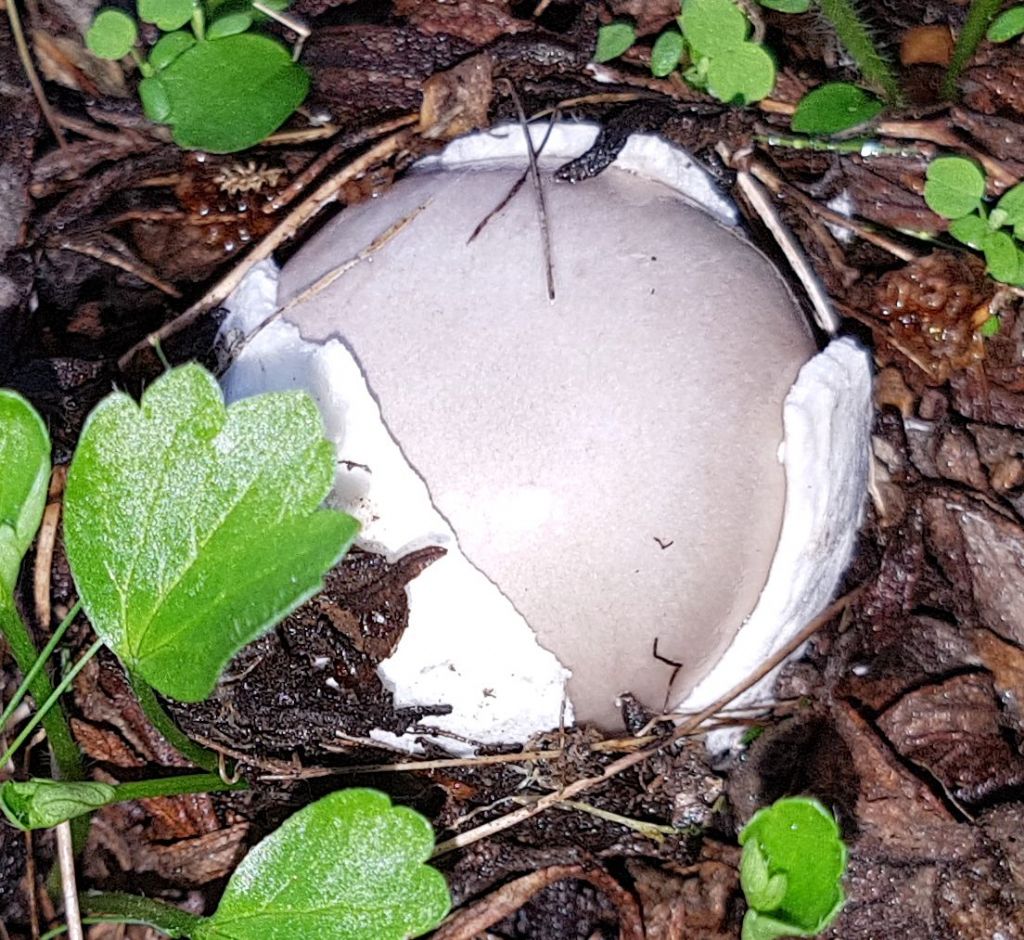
<point>798,838</point>
<point>25,459</point>
<point>835,107</point>
<point>1001,257</point>
<point>229,25</point>
<point>743,75</point>
<point>41,804</point>
<point>348,867</point>
<point>1012,203</point>
<point>614,39</point>
<point>167,14</point>
<point>168,48</point>
<point>112,34</point>
<point>970,230</point>
<point>1007,25</point>
<point>954,186</point>
<point>666,53</point>
<point>787,6</point>
<point>192,528</point>
<point>713,27</point>
<point>230,94</point>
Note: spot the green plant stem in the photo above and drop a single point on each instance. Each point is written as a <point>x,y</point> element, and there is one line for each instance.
<point>857,41</point>
<point>126,908</point>
<point>58,732</point>
<point>978,17</point>
<point>163,723</point>
<point>38,665</point>
<point>89,922</point>
<point>175,786</point>
<point>145,69</point>
<point>199,22</point>
<point>51,706</point>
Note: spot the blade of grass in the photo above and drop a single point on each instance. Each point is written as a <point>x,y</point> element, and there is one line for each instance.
<point>978,17</point>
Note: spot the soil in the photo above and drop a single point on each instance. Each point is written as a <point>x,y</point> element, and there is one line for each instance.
<point>904,716</point>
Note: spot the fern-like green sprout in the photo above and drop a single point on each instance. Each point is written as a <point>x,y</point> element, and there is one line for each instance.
<point>978,17</point>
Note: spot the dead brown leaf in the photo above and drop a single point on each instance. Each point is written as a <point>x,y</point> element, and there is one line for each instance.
<point>457,101</point>
<point>67,62</point>
<point>683,903</point>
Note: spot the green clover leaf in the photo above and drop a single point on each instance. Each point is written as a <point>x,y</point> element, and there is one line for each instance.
<point>40,803</point>
<point>614,39</point>
<point>713,27</point>
<point>954,186</point>
<point>666,53</point>
<point>192,528</point>
<point>787,6</point>
<point>168,15</point>
<point>112,34</point>
<point>348,867</point>
<point>835,107</point>
<point>745,74</point>
<point>1008,25</point>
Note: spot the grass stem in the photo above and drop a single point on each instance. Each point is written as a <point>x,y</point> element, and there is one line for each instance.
<point>978,18</point>
<point>856,39</point>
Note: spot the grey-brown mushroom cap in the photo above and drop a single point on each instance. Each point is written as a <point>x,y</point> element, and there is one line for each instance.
<point>609,459</point>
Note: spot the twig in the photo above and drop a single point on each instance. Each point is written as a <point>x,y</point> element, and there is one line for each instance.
<point>30,72</point>
<point>69,887</point>
<point>317,166</point>
<point>326,280</point>
<point>45,542</point>
<point>631,760</point>
<point>653,831</point>
<point>142,271</point>
<point>542,210</point>
<point>286,229</point>
<point>471,921</point>
<point>30,886</point>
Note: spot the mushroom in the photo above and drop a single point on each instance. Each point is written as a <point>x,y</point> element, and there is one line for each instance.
<point>605,467</point>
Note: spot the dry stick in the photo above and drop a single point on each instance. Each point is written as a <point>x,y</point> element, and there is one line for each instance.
<point>867,232</point>
<point>282,232</point>
<point>317,166</point>
<point>31,74</point>
<point>938,132</point>
<point>45,541</point>
<point>824,314</point>
<point>139,270</point>
<point>69,886</point>
<point>631,760</point>
<point>542,209</point>
<point>326,280</point>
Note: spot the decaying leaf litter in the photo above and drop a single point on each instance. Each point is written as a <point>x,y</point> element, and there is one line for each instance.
<point>904,716</point>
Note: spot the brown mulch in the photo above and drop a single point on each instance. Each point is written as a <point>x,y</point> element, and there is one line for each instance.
<point>905,714</point>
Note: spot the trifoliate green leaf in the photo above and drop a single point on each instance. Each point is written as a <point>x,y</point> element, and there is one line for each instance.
<point>348,867</point>
<point>229,25</point>
<point>230,94</point>
<point>798,838</point>
<point>1002,258</point>
<point>112,34</point>
<point>787,6</point>
<point>666,53</point>
<point>743,75</point>
<point>192,528</point>
<point>713,27</point>
<point>613,40</point>
<point>167,14</point>
<point>954,186</point>
<point>834,107</point>
<point>25,459</point>
<point>42,804</point>
<point>1007,25</point>
<point>168,48</point>
<point>971,230</point>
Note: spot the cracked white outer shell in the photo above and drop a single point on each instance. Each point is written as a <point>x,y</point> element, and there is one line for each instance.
<point>605,467</point>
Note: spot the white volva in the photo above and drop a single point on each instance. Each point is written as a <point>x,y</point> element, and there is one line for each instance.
<point>605,469</point>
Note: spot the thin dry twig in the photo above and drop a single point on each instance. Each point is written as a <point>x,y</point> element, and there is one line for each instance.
<point>45,542</point>
<point>133,266</point>
<point>631,760</point>
<point>30,72</point>
<point>286,229</point>
<point>471,921</point>
<point>69,885</point>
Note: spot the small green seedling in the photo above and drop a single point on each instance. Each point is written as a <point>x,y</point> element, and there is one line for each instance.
<point>791,870</point>
<point>833,108</point>
<point>711,46</point>
<point>955,189</point>
<point>1008,25</point>
<point>220,87</point>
